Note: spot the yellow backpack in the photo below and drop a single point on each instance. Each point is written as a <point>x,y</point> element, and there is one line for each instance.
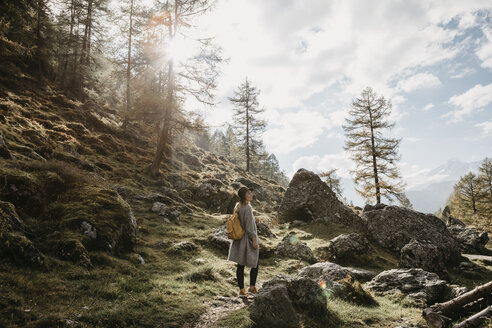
<point>233,227</point>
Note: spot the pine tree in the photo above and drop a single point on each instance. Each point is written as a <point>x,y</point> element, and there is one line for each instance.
<point>333,181</point>
<point>375,155</point>
<point>466,198</point>
<point>247,125</point>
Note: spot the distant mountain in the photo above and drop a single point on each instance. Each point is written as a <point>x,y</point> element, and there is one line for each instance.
<point>437,185</point>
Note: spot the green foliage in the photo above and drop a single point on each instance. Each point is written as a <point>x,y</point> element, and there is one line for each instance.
<point>375,156</point>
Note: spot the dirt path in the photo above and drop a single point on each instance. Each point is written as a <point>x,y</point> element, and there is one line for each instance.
<point>218,308</point>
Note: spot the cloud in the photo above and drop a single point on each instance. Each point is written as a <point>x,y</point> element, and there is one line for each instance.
<point>419,81</point>
<point>484,52</point>
<point>486,128</point>
<point>295,130</point>
<point>472,100</point>
<point>428,107</point>
<point>316,163</point>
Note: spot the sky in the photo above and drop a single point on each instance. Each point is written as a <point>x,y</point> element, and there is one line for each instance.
<point>431,59</point>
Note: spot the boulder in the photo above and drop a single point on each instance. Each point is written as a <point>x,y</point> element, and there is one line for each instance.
<point>172,214</point>
<point>326,271</point>
<point>185,246</point>
<point>344,246</point>
<point>304,297</point>
<point>264,231</point>
<point>308,198</point>
<point>424,255</point>
<point>219,238</point>
<point>213,198</point>
<point>471,240</point>
<point>415,284</point>
<point>394,227</point>
<point>292,247</point>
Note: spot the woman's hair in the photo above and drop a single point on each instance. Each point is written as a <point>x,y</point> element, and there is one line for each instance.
<point>242,201</point>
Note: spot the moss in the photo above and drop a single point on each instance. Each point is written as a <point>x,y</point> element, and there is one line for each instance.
<point>202,274</point>
<point>67,246</point>
<point>20,250</point>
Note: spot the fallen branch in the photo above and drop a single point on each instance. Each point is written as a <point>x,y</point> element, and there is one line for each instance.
<point>439,315</point>
<point>477,319</point>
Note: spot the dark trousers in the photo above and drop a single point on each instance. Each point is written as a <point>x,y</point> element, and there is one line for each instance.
<point>240,276</point>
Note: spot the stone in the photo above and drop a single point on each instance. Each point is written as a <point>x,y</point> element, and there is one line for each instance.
<point>185,246</point>
<point>200,261</point>
<point>394,227</point>
<point>451,221</point>
<point>273,308</point>
<point>470,240</point>
<point>424,255</point>
<point>292,247</point>
<point>88,230</point>
<point>345,246</point>
<point>158,207</point>
<point>219,238</point>
<point>415,284</point>
<point>325,271</point>
<point>308,198</point>
<point>264,231</point>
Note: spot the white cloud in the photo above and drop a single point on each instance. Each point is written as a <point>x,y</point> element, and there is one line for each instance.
<point>474,99</point>
<point>295,130</point>
<point>486,128</point>
<point>419,81</point>
<point>485,50</point>
<point>428,107</point>
<point>316,163</point>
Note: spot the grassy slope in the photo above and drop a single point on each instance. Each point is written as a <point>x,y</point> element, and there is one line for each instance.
<point>170,288</point>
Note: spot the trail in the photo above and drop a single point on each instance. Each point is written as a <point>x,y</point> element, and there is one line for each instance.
<point>220,307</point>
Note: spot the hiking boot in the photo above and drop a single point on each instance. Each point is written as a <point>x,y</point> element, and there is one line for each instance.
<point>252,290</point>
<point>242,292</point>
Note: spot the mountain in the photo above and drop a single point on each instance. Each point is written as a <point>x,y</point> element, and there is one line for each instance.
<point>430,195</point>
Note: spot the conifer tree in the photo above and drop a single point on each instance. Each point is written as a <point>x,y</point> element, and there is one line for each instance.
<point>247,125</point>
<point>375,155</point>
<point>333,181</point>
<point>466,199</point>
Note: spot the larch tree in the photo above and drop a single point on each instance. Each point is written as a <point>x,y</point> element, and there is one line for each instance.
<point>333,181</point>
<point>466,198</point>
<point>485,179</point>
<point>375,155</point>
<point>247,125</point>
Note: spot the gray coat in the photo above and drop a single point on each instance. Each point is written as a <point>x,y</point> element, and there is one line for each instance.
<point>241,250</point>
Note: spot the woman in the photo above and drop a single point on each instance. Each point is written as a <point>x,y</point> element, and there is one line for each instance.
<point>245,251</point>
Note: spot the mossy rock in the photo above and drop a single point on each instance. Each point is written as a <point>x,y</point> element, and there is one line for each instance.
<point>21,189</point>
<point>67,247</point>
<point>110,216</point>
<point>20,250</point>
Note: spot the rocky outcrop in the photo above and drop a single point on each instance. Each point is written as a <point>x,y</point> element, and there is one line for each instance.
<point>282,299</point>
<point>264,230</point>
<point>292,247</point>
<point>394,227</point>
<point>471,240</point>
<point>345,246</point>
<point>325,271</point>
<point>415,284</point>
<point>308,198</point>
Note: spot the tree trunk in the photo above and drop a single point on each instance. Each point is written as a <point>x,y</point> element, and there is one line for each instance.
<point>374,163</point>
<point>476,320</point>
<point>247,135</point>
<point>128,67</point>
<point>437,315</point>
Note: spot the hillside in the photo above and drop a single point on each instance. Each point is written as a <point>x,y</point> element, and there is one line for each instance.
<point>89,239</point>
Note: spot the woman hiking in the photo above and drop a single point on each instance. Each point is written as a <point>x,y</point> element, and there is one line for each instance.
<point>245,251</point>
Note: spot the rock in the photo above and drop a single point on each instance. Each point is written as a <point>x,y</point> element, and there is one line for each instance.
<point>140,259</point>
<point>212,198</point>
<point>172,214</point>
<point>393,227</point>
<point>88,230</point>
<point>299,294</point>
<point>308,198</point>
<point>158,207</point>
<point>451,221</point>
<point>424,255</point>
<point>14,245</point>
<point>273,308</point>
<point>185,246</point>
<point>219,238</point>
<point>200,261</point>
<point>68,247</point>
<point>415,284</point>
<point>470,240</point>
<point>292,247</point>
<point>325,271</point>
<point>345,246</point>
<point>264,231</point>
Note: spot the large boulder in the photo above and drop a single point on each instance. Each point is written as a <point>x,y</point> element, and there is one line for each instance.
<point>213,197</point>
<point>219,239</point>
<point>325,271</point>
<point>308,198</point>
<point>471,240</point>
<point>292,247</point>
<point>14,245</point>
<point>345,246</point>
<point>394,227</point>
<point>422,254</point>
<point>415,284</point>
<point>304,296</point>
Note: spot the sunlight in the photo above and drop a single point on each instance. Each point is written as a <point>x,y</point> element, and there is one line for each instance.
<point>179,48</point>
